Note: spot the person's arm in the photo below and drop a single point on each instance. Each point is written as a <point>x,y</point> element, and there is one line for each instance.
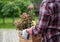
<point>43,21</point>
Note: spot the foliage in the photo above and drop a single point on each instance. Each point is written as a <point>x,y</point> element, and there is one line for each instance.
<point>25,19</point>
<point>11,9</point>
<point>1,6</point>
<point>23,5</point>
<point>14,7</point>
<point>24,22</point>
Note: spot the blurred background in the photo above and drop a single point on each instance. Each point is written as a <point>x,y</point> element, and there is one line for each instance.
<point>10,10</point>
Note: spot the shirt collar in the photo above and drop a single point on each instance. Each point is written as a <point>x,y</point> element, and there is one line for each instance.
<point>50,0</point>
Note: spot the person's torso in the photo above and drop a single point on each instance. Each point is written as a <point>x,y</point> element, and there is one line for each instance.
<point>55,22</point>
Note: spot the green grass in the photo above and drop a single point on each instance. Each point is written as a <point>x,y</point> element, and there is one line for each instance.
<point>8,23</point>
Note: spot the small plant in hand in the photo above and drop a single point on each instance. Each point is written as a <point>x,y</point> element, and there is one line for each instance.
<point>25,20</point>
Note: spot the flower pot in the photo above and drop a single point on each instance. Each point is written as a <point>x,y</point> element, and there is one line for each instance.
<point>36,38</point>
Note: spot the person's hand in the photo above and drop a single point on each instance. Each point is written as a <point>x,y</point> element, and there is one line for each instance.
<point>24,34</point>
<point>29,31</point>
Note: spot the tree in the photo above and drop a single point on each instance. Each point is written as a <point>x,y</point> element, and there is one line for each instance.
<point>1,13</point>
<point>11,9</point>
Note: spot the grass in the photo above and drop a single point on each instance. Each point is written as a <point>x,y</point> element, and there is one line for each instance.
<point>8,23</point>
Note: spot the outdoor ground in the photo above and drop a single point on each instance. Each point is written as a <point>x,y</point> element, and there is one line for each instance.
<point>8,35</point>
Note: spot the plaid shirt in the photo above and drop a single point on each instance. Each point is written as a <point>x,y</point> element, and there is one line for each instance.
<point>49,19</point>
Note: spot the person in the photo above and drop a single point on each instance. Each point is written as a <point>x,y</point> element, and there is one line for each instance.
<point>49,21</point>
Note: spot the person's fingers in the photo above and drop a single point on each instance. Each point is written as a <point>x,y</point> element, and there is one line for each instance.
<point>30,30</point>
